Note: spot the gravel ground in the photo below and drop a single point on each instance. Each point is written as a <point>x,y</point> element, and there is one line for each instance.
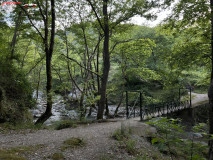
<point>97,137</point>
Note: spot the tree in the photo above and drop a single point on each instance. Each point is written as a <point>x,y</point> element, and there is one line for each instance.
<point>199,16</point>
<point>48,51</point>
<point>113,14</point>
<point>48,47</point>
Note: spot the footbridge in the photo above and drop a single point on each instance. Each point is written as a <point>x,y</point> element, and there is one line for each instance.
<point>145,111</point>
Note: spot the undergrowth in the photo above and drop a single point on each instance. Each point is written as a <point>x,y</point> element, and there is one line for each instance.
<point>172,140</point>
<point>7,126</point>
<point>73,143</point>
<point>132,145</point>
<point>17,153</point>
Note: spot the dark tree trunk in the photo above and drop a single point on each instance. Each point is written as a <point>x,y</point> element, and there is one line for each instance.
<point>211,5</point>
<point>210,95</point>
<point>97,70</point>
<point>48,112</point>
<point>49,52</point>
<point>1,99</point>
<point>106,59</point>
<point>15,35</point>
<point>27,49</point>
<point>107,108</point>
<point>91,108</point>
<point>81,106</point>
<point>90,111</point>
<point>38,83</point>
<point>210,92</point>
<point>116,110</point>
<point>98,78</point>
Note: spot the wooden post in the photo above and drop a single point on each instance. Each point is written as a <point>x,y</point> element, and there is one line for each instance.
<point>127,109</point>
<point>179,96</point>
<point>190,97</point>
<point>141,118</point>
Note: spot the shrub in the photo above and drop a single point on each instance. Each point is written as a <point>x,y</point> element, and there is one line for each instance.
<point>15,94</point>
<point>58,156</point>
<point>73,143</point>
<point>169,140</point>
<point>64,124</point>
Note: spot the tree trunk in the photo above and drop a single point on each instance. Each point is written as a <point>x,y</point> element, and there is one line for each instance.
<point>49,52</point>
<point>106,59</point>
<point>210,92</point>
<point>107,108</point>
<point>210,95</point>
<point>116,110</point>
<point>38,83</point>
<point>1,99</point>
<point>15,35</point>
<point>27,49</point>
<point>81,106</point>
<point>48,113</point>
<point>98,78</point>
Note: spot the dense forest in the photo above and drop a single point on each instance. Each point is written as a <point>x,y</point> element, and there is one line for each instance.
<point>89,52</point>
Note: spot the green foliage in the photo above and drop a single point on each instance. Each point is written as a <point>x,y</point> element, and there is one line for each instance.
<point>142,58</point>
<point>10,156</point>
<point>16,97</point>
<point>168,140</point>
<point>64,124</point>
<point>125,140</point>
<point>7,126</point>
<point>17,153</point>
<point>130,147</point>
<point>118,135</point>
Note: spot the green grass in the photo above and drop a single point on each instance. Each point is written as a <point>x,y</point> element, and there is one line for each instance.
<point>130,147</point>
<point>62,124</point>
<point>6,127</point>
<point>128,143</point>
<point>73,143</point>
<point>17,153</point>
<point>118,135</point>
<point>142,158</point>
<point>58,156</point>
<point>7,155</point>
<point>107,157</point>
<point>58,125</point>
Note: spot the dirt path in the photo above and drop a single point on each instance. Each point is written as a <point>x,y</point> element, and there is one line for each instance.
<point>96,136</point>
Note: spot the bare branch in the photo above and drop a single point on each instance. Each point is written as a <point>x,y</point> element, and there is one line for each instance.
<point>93,54</point>
<point>53,27</point>
<point>39,6</point>
<point>93,8</point>
<point>28,16</point>
<point>80,65</point>
<point>36,64</point>
<point>119,43</point>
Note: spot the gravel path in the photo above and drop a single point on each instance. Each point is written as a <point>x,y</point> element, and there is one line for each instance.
<point>96,136</point>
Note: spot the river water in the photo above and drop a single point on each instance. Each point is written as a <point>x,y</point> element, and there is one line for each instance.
<point>61,111</point>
